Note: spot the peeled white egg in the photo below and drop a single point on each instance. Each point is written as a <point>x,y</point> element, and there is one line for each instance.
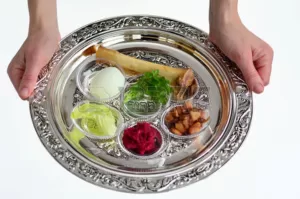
<point>107,83</point>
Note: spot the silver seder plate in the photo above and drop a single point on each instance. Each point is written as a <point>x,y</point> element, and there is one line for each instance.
<point>183,161</point>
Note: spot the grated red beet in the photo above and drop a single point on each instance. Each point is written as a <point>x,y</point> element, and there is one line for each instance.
<point>142,139</point>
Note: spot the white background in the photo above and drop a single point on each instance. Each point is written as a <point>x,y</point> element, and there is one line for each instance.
<point>266,166</point>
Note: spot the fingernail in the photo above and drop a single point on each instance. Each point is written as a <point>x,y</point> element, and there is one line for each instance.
<point>24,92</point>
<point>259,88</point>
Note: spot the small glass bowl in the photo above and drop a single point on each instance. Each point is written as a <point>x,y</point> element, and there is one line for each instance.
<point>187,98</point>
<point>129,124</point>
<point>116,113</point>
<point>87,72</point>
<point>191,136</point>
<point>145,108</point>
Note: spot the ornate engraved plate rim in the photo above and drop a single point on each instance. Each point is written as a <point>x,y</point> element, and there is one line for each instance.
<point>107,179</point>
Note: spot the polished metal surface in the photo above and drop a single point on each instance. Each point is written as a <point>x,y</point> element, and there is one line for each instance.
<point>222,90</point>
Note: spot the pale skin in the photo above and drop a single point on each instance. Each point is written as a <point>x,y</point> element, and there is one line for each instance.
<point>251,54</point>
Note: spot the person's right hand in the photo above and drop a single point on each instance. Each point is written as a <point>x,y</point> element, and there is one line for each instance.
<point>251,54</point>
<point>34,54</point>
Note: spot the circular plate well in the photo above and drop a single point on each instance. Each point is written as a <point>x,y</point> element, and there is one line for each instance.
<point>161,40</point>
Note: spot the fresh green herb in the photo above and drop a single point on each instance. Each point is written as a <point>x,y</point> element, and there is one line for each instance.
<point>150,84</point>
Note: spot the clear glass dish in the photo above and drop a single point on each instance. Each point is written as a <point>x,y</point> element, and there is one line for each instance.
<point>163,143</point>
<point>181,124</point>
<point>143,108</point>
<point>101,81</point>
<point>189,96</point>
<point>89,118</point>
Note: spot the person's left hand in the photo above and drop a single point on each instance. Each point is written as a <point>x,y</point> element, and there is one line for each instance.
<point>251,54</point>
<point>33,55</point>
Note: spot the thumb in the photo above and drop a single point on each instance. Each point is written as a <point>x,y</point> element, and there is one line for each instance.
<point>29,78</point>
<point>251,75</point>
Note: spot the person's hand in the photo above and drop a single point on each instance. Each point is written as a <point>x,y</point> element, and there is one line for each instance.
<point>34,54</point>
<point>251,54</point>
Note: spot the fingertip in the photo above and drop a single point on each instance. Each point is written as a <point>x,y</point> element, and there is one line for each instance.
<point>266,82</point>
<point>27,85</point>
<point>255,83</point>
<point>264,73</point>
<point>258,88</point>
<point>24,93</point>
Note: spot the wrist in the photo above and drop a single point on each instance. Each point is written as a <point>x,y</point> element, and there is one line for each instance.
<point>42,25</point>
<point>43,15</point>
<point>222,13</point>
